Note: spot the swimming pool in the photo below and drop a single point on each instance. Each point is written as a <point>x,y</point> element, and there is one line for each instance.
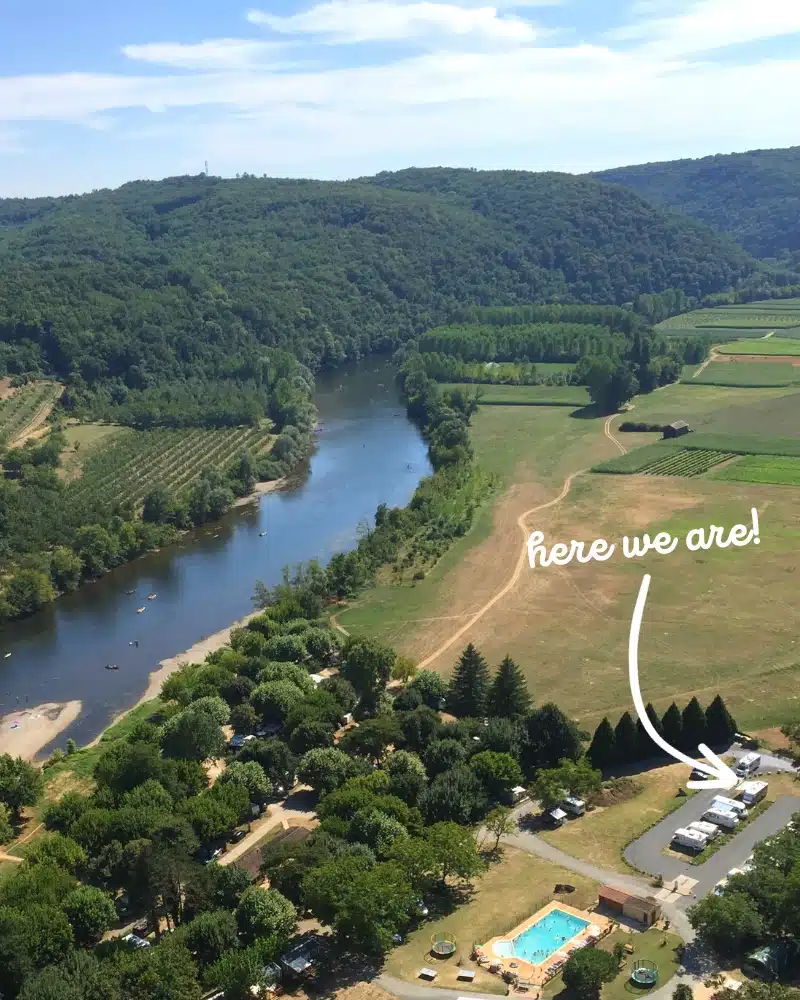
<point>542,939</point>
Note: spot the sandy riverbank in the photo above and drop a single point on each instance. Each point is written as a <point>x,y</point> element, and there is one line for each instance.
<point>37,727</point>
<point>259,490</point>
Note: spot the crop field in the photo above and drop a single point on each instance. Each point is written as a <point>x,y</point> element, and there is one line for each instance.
<point>19,410</point>
<point>527,395</point>
<point>776,469</point>
<point>772,346</point>
<point>779,314</point>
<point>752,374</point>
<point>686,462</point>
<point>127,464</point>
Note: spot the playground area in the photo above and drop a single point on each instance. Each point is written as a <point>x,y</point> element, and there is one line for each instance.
<point>537,949</point>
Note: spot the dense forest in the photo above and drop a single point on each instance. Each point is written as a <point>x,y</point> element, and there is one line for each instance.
<point>191,277</point>
<point>754,196</point>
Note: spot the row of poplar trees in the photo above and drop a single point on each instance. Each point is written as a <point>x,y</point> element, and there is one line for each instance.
<point>628,741</point>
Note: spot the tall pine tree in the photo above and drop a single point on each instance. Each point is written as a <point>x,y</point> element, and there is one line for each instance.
<point>694,726</point>
<point>647,748</point>
<point>508,695</point>
<point>720,724</point>
<point>603,748</point>
<point>469,685</point>
<point>672,726</point>
<point>626,741</point>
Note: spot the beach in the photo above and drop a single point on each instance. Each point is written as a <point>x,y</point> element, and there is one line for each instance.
<point>38,725</point>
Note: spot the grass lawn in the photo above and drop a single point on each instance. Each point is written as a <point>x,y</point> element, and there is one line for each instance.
<point>510,891</point>
<point>601,835</point>
<point>771,346</point>
<point>657,946</point>
<point>749,374</point>
<point>527,395</point>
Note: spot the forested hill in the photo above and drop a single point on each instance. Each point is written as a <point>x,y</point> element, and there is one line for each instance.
<point>754,196</point>
<point>189,276</point>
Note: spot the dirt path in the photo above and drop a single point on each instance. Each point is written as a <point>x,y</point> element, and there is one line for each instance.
<point>10,857</point>
<point>36,421</point>
<point>712,356</point>
<point>607,431</point>
<point>768,335</point>
<point>512,581</point>
<point>278,814</point>
<point>337,626</point>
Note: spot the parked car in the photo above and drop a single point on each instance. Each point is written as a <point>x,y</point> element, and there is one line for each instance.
<point>238,835</point>
<point>208,854</point>
<point>136,941</point>
<point>236,742</point>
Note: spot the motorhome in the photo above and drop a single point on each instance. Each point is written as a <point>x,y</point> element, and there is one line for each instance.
<point>731,804</point>
<point>721,817</point>
<point>751,792</point>
<point>576,807</point>
<point>711,830</point>
<point>692,839</point>
<point>747,765</point>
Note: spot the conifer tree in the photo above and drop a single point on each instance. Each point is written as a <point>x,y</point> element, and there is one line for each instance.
<point>469,685</point>
<point>603,748</point>
<point>672,726</point>
<point>508,695</point>
<point>647,747</point>
<point>720,724</point>
<point>625,740</point>
<point>694,725</point>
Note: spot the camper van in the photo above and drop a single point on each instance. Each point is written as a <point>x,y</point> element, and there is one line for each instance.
<point>710,830</point>
<point>747,765</point>
<point>692,839</point>
<point>733,805</point>
<point>576,807</point>
<point>721,817</point>
<point>751,792</point>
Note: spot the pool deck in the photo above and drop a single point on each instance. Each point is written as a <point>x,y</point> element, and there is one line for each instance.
<point>538,974</point>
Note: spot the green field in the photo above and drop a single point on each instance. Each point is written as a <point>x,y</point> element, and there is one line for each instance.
<point>780,470</point>
<point>19,410</point>
<point>126,464</point>
<point>527,395</point>
<point>771,346</point>
<point>772,314</point>
<point>752,374</point>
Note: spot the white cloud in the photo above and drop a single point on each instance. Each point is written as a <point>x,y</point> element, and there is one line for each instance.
<point>216,53</point>
<point>347,21</point>
<point>707,25</point>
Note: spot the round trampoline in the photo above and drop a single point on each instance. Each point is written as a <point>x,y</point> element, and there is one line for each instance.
<point>644,973</point>
<point>443,944</point>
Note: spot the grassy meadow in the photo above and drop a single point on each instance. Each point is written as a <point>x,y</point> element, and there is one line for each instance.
<point>747,374</point>
<point>772,346</point>
<point>527,395</point>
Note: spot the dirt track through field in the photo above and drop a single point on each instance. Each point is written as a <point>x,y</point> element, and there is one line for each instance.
<point>36,422</point>
<point>608,433</point>
<point>512,581</point>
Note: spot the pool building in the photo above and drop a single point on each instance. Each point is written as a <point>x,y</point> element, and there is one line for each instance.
<point>538,948</point>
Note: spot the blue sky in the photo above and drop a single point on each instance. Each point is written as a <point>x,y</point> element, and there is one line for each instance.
<point>97,93</point>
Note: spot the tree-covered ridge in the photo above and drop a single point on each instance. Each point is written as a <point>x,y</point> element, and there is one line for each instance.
<point>193,276</point>
<point>754,196</point>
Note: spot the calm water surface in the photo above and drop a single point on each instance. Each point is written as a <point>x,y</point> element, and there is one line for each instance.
<point>367,453</point>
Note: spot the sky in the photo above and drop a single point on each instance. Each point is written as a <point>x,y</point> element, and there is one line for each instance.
<point>97,93</point>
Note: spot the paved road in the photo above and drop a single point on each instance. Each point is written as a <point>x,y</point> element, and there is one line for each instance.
<point>770,764</point>
<point>645,853</point>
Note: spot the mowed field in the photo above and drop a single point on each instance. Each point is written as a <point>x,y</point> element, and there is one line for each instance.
<point>526,395</point>
<point>771,347</point>
<point>749,319</point>
<point>722,620</point>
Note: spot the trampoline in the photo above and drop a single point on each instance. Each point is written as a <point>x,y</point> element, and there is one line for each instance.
<point>644,973</point>
<point>443,945</point>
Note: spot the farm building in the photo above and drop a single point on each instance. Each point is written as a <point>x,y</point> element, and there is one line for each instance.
<point>645,911</point>
<point>676,429</point>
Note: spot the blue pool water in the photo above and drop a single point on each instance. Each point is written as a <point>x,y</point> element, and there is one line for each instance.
<point>540,940</point>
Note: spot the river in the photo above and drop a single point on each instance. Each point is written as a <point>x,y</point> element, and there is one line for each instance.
<point>367,453</point>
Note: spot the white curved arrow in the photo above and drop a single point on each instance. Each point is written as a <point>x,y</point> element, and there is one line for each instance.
<point>719,774</point>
